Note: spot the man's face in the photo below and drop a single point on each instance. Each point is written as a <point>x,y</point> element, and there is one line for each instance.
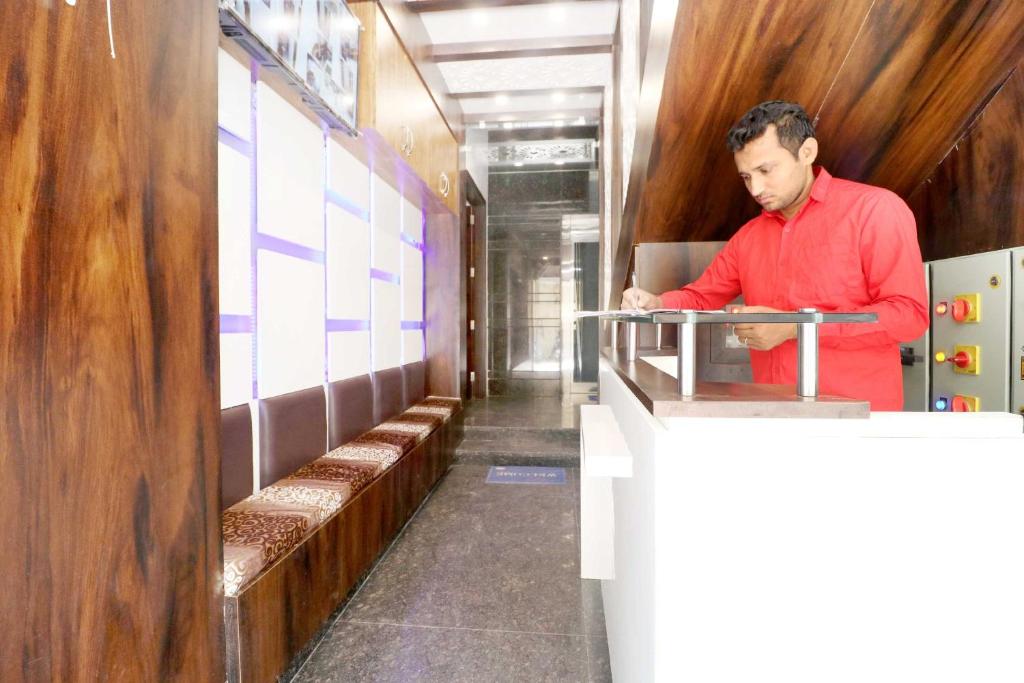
<point>773,176</point>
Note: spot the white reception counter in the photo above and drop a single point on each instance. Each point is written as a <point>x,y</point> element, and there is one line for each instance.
<point>881,548</point>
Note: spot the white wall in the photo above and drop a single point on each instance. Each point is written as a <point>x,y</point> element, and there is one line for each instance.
<point>321,261</point>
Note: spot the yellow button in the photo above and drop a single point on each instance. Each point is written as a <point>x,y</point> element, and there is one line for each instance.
<point>940,357</point>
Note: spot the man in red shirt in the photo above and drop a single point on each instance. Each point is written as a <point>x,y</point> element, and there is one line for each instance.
<point>820,242</point>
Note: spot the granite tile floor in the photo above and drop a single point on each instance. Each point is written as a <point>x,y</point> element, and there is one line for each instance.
<point>482,585</point>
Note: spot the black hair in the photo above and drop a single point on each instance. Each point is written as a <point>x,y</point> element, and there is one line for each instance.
<point>791,123</point>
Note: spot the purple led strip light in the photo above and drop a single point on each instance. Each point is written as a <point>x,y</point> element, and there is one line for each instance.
<point>254,76</point>
<point>232,323</point>
<point>413,325</point>
<point>327,349</point>
<point>280,246</point>
<point>411,242</point>
<point>378,274</point>
<point>339,325</point>
<point>236,143</point>
<point>341,202</point>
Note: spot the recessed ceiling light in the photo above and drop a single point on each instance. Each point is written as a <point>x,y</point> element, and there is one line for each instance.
<point>507,125</point>
<point>483,124</point>
<point>559,162</point>
<point>518,164</point>
<point>501,99</point>
<point>581,121</point>
<point>559,123</point>
<point>558,96</point>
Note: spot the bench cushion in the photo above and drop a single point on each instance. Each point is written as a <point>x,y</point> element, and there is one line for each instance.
<point>437,405</point>
<point>382,435</point>
<point>353,475</point>
<point>368,450</point>
<point>254,538</point>
<point>350,405</point>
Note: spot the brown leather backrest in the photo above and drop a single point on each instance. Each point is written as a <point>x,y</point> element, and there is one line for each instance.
<point>388,393</point>
<point>293,432</point>
<point>349,409</point>
<point>235,455</point>
<point>414,376</point>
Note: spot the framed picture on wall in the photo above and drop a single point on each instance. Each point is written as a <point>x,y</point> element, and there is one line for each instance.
<point>315,44</point>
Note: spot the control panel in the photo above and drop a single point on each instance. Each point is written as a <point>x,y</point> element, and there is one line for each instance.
<point>1017,332</point>
<point>970,333</point>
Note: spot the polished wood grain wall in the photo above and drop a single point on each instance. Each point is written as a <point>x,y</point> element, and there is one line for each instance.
<point>108,343</point>
<point>974,201</point>
<point>446,302</point>
<point>892,86</point>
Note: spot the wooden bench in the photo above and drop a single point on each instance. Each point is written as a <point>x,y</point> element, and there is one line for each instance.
<point>377,432</point>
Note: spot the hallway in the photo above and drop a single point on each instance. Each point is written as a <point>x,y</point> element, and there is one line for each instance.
<point>482,585</point>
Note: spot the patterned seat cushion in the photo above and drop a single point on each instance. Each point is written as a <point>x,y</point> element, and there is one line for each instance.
<point>385,455</point>
<point>289,494</point>
<point>447,401</point>
<point>351,475</point>
<point>254,538</point>
<point>442,412</point>
<point>430,419</point>
<point>437,405</point>
<point>380,435</point>
<point>418,429</point>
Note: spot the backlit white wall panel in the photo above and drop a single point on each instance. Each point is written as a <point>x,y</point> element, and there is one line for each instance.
<point>233,231</point>
<point>387,325</point>
<point>234,85</point>
<point>290,324</point>
<point>290,159</point>
<point>412,283</point>
<point>348,266</point>
<point>412,220</point>
<point>348,354</point>
<point>412,346</point>
<point>387,226</point>
<point>235,369</point>
<point>348,176</point>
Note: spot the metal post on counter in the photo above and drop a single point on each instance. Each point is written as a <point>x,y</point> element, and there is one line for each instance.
<point>632,333</point>
<point>686,356</point>
<point>614,334</point>
<point>807,357</point>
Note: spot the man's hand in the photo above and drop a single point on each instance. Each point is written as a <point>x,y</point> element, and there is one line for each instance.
<point>762,336</point>
<point>636,298</point>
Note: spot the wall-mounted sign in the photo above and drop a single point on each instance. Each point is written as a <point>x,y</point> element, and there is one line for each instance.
<point>315,44</point>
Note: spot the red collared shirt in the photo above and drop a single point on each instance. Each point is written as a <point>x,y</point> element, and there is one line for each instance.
<point>851,248</point>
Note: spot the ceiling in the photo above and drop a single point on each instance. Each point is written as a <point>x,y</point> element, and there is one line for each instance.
<point>522,60</point>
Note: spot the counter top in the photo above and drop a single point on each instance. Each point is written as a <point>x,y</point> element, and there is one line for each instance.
<point>659,393</point>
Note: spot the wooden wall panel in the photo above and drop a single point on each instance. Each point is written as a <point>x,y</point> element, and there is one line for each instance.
<point>917,76</point>
<point>974,202</point>
<point>109,425</point>
<point>721,65</point>
<point>895,83</point>
<point>446,302</point>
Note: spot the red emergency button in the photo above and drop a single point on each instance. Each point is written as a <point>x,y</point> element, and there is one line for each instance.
<point>961,310</point>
